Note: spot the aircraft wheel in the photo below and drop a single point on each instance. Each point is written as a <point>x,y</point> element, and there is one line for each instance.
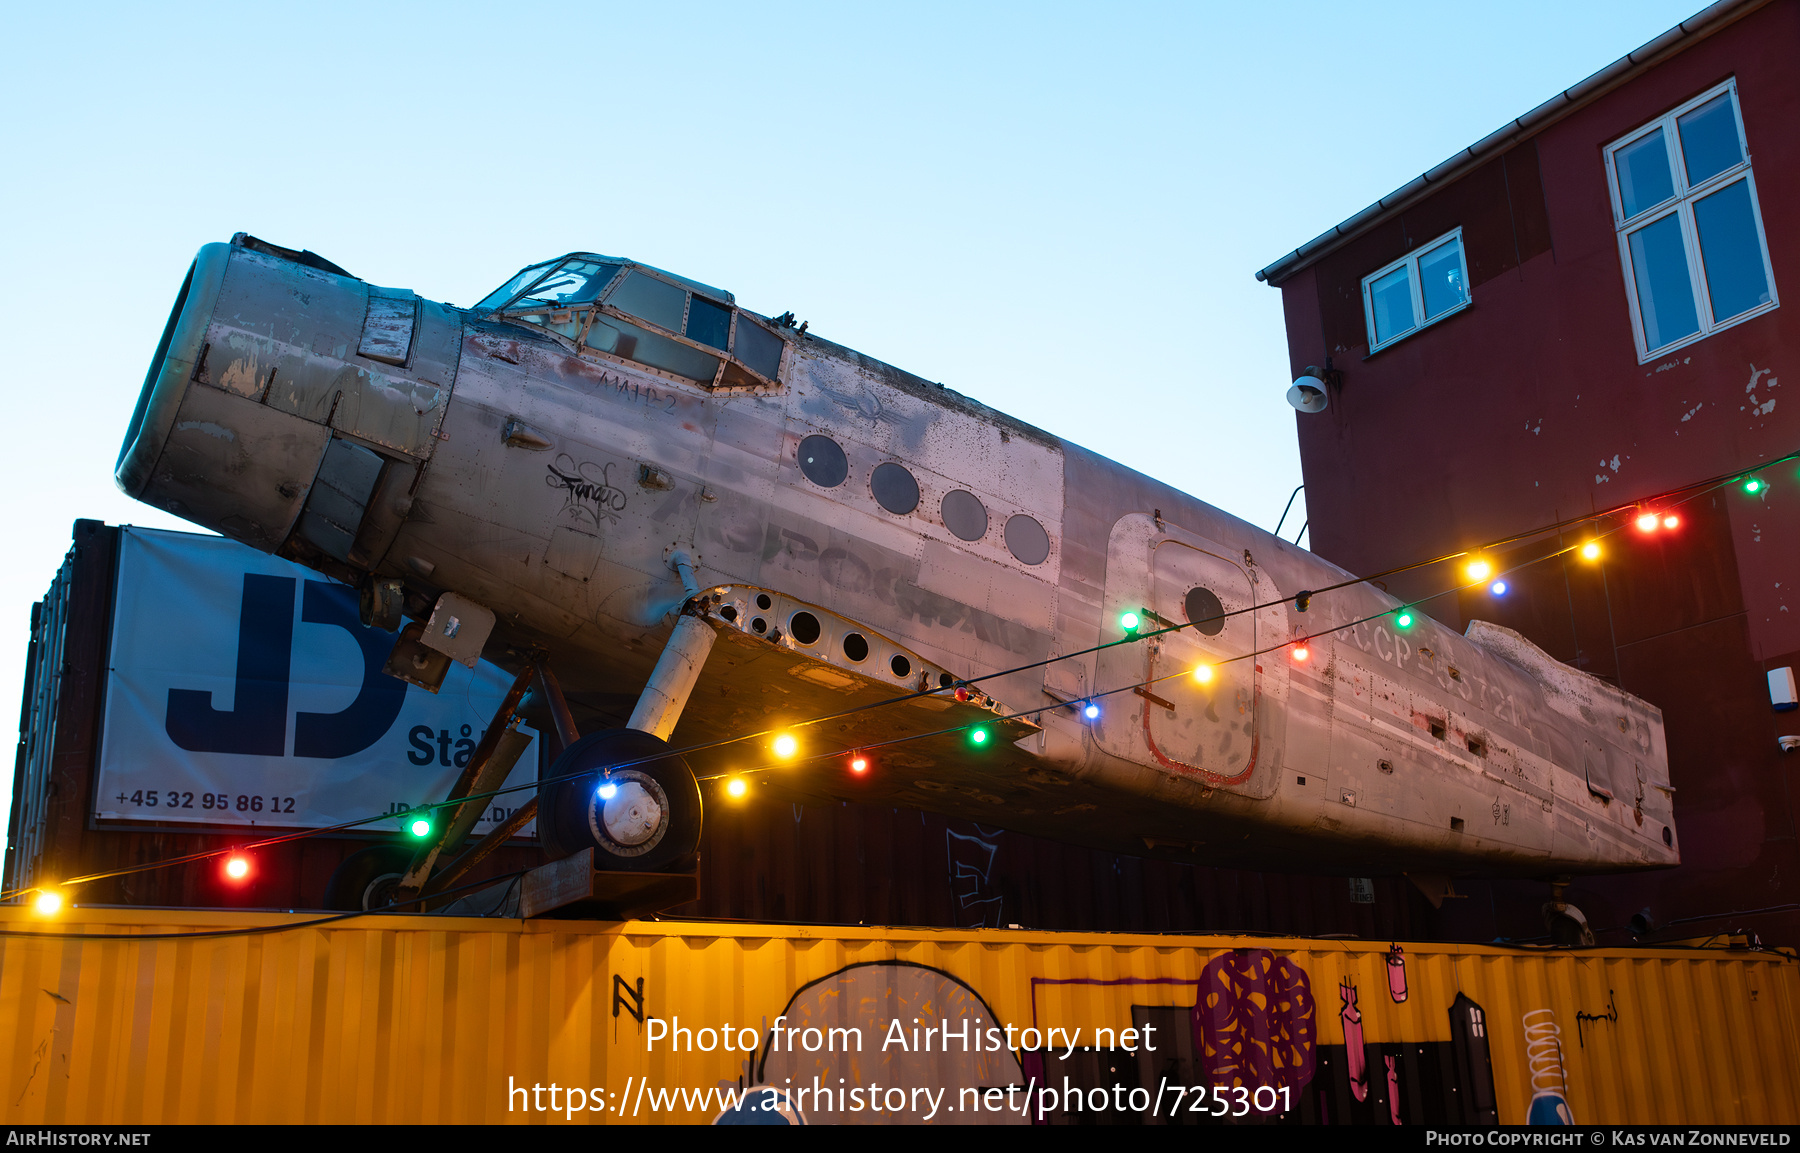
<point>641,817</point>
<point>368,878</point>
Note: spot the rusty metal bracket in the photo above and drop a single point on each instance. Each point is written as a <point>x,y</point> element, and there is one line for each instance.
<point>474,778</point>
<point>1152,697</point>
<point>482,849</point>
<point>562,720</point>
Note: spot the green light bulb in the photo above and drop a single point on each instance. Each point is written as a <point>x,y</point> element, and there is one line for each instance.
<point>1129,622</point>
<point>1753,485</point>
<point>420,827</point>
<point>978,736</point>
<point>1405,619</point>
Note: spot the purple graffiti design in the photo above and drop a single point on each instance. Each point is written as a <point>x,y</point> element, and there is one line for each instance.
<point>1358,1066</point>
<point>1253,1020</point>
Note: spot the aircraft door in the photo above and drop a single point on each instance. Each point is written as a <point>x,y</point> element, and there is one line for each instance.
<point>1212,728</point>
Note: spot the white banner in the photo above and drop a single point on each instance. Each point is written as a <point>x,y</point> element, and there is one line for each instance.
<point>243,690</point>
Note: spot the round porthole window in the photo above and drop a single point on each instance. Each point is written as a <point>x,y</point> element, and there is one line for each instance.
<point>803,627</point>
<point>965,515</point>
<point>894,488</point>
<point>822,461</point>
<point>1205,612</point>
<point>1027,540</point>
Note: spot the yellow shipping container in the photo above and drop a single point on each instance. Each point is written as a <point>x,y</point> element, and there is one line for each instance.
<point>140,1017</point>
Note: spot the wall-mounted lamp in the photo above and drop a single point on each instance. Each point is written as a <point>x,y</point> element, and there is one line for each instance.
<point>1308,392</point>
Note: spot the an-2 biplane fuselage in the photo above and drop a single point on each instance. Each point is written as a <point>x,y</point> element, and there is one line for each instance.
<point>600,439</point>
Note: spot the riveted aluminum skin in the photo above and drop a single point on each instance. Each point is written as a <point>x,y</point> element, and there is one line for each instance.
<point>433,1020</point>
<point>506,459</point>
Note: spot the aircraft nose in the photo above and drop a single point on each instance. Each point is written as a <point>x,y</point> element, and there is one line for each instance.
<point>214,438</point>
<point>177,356</point>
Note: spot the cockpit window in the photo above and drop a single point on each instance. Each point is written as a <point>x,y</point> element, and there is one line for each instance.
<point>757,347</point>
<point>709,323</point>
<point>575,282</point>
<point>584,298</point>
<point>514,286</point>
<point>648,298</point>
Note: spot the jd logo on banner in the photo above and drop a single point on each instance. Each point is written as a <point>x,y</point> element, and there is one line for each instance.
<point>256,724</point>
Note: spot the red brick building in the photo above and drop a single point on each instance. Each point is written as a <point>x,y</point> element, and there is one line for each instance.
<point>1576,322</point>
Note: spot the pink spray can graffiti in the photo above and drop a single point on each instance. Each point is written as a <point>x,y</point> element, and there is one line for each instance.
<point>1358,1066</point>
<point>1253,1021</point>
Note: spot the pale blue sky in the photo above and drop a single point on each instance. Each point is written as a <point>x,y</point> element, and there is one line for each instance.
<point>1057,209</point>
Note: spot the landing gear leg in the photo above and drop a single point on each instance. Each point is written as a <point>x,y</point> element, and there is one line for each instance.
<point>620,791</point>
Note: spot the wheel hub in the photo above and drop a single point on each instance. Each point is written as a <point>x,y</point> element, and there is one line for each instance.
<point>630,812</point>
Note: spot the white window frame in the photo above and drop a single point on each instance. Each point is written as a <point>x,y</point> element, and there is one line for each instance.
<point>1411,263</point>
<point>1682,204</point>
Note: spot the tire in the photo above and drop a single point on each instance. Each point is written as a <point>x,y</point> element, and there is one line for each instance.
<point>367,878</point>
<point>651,821</point>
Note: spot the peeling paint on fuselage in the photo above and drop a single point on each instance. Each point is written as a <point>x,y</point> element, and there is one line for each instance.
<point>569,544</point>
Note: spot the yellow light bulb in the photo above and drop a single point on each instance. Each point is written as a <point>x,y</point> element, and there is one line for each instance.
<point>1479,569</point>
<point>1590,551</point>
<point>786,745</point>
<point>48,903</point>
<point>736,788</point>
<point>1203,674</point>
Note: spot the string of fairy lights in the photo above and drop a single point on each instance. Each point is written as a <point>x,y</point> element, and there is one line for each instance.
<point>1651,516</point>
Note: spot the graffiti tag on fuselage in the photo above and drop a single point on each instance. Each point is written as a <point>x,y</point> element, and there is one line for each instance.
<point>588,491</point>
<point>1394,650</point>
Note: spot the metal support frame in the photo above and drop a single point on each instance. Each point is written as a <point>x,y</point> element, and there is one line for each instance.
<point>658,709</point>
<point>488,766</point>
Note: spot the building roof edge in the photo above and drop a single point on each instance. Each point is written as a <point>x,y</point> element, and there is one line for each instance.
<point>1702,24</point>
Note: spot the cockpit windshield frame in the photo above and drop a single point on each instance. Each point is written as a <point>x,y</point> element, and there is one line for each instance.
<point>645,317</point>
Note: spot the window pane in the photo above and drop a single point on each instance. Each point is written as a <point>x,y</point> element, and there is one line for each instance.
<point>708,323</point>
<point>1665,295</point>
<point>576,282</point>
<point>656,301</point>
<point>1709,139</point>
<point>511,288</point>
<point>1390,299</point>
<point>1644,179</point>
<point>653,349</point>
<point>1441,279</point>
<point>1731,251</point>
<point>758,347</point>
